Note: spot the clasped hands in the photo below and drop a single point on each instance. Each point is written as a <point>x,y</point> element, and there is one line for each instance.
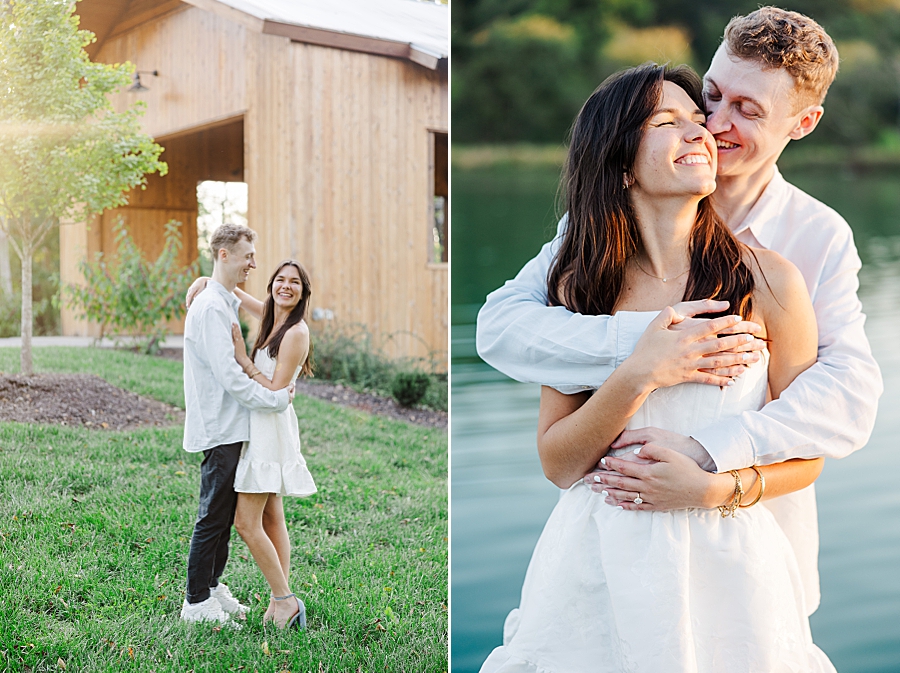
<point>679,348</point>
<point>668,470</point>
<point>664,469</point>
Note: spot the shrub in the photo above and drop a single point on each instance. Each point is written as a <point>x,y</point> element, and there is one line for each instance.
<point>350,356</point>
<point>130,294</point>
<point>408,388</point>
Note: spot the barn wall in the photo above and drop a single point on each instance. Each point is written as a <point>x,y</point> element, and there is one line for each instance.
<point>339,177</point>
<point>336,154</point>
<point>202,63</point>
<point>208,154</point>
<point>194,109</point>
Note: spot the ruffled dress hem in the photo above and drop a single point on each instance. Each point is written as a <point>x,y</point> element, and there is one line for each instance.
<point>256,476</point>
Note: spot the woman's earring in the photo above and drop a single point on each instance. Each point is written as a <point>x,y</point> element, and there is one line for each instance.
<point>626,181</point>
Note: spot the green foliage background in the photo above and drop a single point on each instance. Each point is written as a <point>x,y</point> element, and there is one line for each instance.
<point>522,68</point>
<point>129,294</point>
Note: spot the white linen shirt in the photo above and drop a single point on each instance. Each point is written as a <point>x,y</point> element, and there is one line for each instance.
<point>217,393</point>
<point>829,409</point>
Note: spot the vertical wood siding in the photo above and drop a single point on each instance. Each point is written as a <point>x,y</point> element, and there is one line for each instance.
<point>343,141</point>
<point>336,149</point>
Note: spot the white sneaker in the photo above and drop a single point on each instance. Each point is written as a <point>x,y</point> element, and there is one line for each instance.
<point>228,602</point>
<point>205,611</point>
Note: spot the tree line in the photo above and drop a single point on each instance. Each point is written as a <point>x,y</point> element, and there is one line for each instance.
<point>522,68</point>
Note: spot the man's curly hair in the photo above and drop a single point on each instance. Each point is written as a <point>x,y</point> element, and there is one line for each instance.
<point>778,38</point>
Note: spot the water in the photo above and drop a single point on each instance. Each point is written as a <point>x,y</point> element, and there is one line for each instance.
<point>500,499</point>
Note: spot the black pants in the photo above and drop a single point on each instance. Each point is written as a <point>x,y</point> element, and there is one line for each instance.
<point>209,543</point>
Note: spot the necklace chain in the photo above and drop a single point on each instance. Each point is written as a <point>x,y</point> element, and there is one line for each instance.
<point>665,280</point>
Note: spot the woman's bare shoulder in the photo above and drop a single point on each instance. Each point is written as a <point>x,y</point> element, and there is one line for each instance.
<point>300,328</point>
<point>297,334</point>
<point>779,284</point>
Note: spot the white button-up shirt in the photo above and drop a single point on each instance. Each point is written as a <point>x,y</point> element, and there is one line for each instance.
<point>217,393</point>
<point>829,410</point>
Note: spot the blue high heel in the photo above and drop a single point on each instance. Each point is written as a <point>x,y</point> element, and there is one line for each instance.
<point>298,620</point>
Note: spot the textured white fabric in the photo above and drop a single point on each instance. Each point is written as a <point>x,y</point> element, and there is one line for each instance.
<point>271,461</point>
<point>217,393</point>
<point>829,410</point>
<point>686,591</point>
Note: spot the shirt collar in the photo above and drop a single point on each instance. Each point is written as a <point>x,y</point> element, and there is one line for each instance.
<point>220,289</point>
<point>766,210</point>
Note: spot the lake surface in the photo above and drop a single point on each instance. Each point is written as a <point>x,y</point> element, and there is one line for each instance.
<point>500,499</point>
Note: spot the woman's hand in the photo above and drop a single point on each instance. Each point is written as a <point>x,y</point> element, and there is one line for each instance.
<point>240,348</point>
<point>667,354</point>
<point>665,480</point>
<point>196,288</point>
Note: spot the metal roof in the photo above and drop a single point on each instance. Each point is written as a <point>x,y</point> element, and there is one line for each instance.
<point>425,26</point>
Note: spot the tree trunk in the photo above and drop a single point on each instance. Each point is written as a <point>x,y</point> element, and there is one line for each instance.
<point>27,313</point>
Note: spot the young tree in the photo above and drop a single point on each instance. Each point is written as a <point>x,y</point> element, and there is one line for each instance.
<point>65,153</point>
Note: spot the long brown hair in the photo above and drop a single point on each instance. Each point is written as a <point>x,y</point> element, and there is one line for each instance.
<point>588,273</point>
<point>295,316</point>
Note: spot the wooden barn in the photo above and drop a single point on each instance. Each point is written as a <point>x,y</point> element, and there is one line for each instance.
<point>335,115</point>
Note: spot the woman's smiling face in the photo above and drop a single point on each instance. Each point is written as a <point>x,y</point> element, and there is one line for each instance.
<point>677,155</point>
<point>287,287</point>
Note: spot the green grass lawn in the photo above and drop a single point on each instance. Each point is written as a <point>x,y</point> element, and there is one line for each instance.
<point>95,528</point>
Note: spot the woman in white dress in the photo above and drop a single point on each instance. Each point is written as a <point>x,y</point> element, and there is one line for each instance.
<point>712,584</point>
<point>271,465</point>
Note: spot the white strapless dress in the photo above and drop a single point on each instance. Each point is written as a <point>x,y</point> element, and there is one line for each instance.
<point>271,461</point>
<point>686,591</point>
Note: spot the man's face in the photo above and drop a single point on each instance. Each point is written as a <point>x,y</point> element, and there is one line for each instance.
<point>236,263</point>
<point>751,113</point>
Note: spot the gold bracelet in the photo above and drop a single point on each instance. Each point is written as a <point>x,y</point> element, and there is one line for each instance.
<point>762,487</point>
<point>731,507</point>
<point>252,372</point>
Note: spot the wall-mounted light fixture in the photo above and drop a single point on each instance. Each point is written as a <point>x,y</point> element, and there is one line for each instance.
<point>136,85</point>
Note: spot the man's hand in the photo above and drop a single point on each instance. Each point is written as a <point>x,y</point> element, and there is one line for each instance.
<point>666,356</point>
<point>690,309</point>
<point>686,446</point>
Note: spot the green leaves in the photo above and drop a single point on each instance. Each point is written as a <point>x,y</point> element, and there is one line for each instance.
<point>128,293</point>
<point>65,152</point>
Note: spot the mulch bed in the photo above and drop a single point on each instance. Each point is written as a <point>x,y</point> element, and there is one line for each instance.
<point>81,400</point>
<point>338,394</point>
<point>87,400</point>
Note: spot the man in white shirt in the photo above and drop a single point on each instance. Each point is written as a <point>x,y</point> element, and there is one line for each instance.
<point>764,87</point>
<point>218,395</point>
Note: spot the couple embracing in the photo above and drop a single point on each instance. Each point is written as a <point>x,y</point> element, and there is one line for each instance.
<point>696,327</point>
<point>239,414</point>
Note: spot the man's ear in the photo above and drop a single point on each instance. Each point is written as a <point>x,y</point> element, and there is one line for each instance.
<point>808,121</point>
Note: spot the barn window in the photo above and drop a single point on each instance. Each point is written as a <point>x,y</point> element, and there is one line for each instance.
<point>440,219</point>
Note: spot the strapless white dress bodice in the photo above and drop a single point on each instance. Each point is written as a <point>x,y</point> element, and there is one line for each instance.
<point>271,461</point>
<point>686,591</point>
